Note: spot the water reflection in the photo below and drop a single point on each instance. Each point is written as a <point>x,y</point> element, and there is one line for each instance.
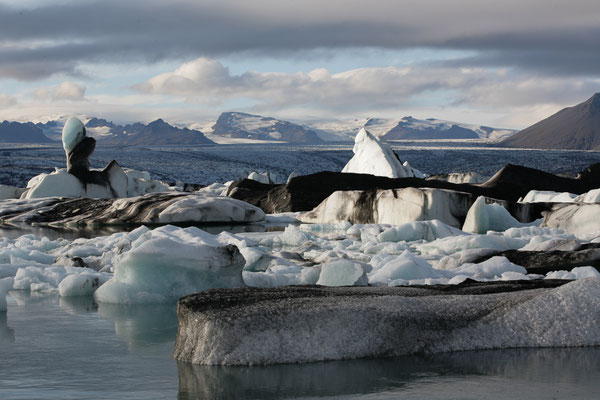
<point>341,379</point>
<point>141,325</point>
<point>14,231</point>
<point>7,334</point>
<point>53,233</point>
<point>25,297</point>
<point>78,305</point>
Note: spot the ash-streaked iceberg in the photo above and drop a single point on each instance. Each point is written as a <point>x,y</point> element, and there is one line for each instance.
<point>293,325</point>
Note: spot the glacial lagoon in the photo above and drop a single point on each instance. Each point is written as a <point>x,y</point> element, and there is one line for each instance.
<point>71,348</point>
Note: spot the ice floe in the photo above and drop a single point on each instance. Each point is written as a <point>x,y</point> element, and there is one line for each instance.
<point>151,208</point>
<point>575,218</point>
<point>169,262</point>
<point>161,264</point>
<point>308,324</point>
<point>483,217</point>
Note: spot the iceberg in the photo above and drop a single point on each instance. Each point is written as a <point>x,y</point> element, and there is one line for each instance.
<point>545,196</point>
<point>306,324</point>
<point>169,262</point>
<point>577,218</point>
<point>344,273</point>
<point>392,206</point>
<point>373,156</point>
<point>73,133</point>
<point>153,208</point>
<point>483,217</point>
<point>6,284</point>
<point>399,270</point>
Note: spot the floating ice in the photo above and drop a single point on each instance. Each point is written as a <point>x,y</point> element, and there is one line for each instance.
<point>372,156</point>
<point>303,325</point>
<point>393,206</point>
<point>460,177</point>
<point>262,178</point>
<point>399,270</point>
<point>419,230</point>
<point>543,196</point>
<point>453,244</point>
<point>344,273</point>
<point>292,236</point>
<point>10,192</point>
<point>282,275</point>
<point>575,273</point>
<point>6,284</point>
<point>82,284</point>
<point>593,196</point>
<point>73,133</point>
<point>576,218</point>
<point>58,183</point>
<point>169,262</point>
<point>490,269</point>
<point>483,217</point>
<point>199,208</point>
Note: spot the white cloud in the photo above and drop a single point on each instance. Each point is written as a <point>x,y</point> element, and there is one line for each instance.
<point>70,91</point>
<point>208,81</point>
<point>7,101</point>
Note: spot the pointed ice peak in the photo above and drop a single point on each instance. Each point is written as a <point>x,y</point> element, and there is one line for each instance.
<point>73,133</point>
<point>375,157</point>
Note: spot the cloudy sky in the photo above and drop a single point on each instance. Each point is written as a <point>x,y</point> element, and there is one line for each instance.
<point>503,63</point>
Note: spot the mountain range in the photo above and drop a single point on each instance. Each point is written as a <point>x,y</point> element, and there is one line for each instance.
<point>409,128</point>
<point>16,132</point>
<point>248,126</point>
<point>573,128</point>
<point>157,132</point>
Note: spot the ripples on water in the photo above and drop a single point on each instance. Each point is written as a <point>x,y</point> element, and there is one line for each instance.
<point>72,348</point>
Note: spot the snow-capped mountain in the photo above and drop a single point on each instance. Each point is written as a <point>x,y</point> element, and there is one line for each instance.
<point>157,132</point>
<point>18,132</point>
<point>409,128</point>
<point>256,127</point>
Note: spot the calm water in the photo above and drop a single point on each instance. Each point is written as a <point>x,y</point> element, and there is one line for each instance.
<point>59,348</point>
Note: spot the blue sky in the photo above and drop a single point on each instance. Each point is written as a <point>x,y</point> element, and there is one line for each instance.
<point>505,64</point>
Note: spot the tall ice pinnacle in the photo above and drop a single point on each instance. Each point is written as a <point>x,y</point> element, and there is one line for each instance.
<point>78,147</point>
<point>72,134</point>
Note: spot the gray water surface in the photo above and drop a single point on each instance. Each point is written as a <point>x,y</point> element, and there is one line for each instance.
<point>72,348</point>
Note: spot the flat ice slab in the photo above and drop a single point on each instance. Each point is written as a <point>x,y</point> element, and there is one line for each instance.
<point>302,324</point>
<point>161,208</point>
